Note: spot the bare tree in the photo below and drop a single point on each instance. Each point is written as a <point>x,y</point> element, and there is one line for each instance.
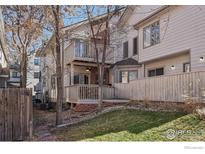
<point>23,30</point>
<point>101,28</point>
<point>54,16</point>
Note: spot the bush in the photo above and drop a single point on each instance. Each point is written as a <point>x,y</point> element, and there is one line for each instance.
<point>201,112</point>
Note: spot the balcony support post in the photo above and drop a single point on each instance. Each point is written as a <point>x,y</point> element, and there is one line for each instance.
<point>72,74</point>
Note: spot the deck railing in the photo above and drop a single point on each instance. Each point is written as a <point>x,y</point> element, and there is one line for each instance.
<point>87,93</point>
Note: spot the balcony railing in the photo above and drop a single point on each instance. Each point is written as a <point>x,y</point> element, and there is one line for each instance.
<point>86,53</point>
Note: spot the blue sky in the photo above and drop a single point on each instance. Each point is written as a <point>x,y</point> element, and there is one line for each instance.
<point>80,15</point>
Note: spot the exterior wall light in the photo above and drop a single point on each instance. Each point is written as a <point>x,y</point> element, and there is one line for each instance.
<point>87,70</point>
<point>172,67</point>
<point>201,59</point>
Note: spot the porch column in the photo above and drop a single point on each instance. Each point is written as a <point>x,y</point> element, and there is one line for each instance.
<point>72,74</point>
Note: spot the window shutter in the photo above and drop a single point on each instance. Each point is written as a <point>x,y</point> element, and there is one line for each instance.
<point>135,46</point>
<point>120,76</point>
<point>125,50</point>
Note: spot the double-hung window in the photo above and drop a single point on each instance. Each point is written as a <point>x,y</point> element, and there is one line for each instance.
<point>151,35</point>
<point>15,75</point>
<point>36,75</point>
<point>126,76</point>
<point>81,48</point>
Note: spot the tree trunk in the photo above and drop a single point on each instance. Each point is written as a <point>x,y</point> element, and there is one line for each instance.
<point>23,70</point>
<point>100,84</point>
<point>58,68</point>
<point>102,67</point>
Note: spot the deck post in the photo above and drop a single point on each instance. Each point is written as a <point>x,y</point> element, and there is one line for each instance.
<point>72,73</point>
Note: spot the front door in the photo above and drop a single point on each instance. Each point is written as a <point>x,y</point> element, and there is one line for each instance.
<point>81,79</point>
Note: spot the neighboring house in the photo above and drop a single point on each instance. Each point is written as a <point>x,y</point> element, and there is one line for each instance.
<point>80,66</point>
<point>33,73</point>
<point>47,71</point>
<point>4,71</point>
<point>14,77</point>
<point>4,76</point>
<point>162,40</point>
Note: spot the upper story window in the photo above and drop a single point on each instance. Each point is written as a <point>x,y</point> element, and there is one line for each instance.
<point>135,46</point>
<point>36,62</point>
<point>81,48</point>
<point>156,72</point>
<point>125,49</point>
<point>36,75</point>
<point>151,35</point>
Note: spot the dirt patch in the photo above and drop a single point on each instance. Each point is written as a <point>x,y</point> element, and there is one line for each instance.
<point>45,120</point>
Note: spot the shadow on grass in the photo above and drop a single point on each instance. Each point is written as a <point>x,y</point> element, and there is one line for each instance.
<point>132,121</point>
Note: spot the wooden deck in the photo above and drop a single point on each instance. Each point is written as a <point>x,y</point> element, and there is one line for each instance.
<point>86,94</point>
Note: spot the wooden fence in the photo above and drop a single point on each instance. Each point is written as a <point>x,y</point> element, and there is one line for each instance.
<point>174,88</point>
<point>16,114</point>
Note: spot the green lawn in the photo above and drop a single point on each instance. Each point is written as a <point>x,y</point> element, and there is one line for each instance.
<point>134,125</point>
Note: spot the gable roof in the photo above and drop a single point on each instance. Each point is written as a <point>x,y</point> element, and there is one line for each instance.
<point>126,15</point>
<point>15,67</point>
<point>95,20</point>
<point>151,16</point>
<point>128,61</point>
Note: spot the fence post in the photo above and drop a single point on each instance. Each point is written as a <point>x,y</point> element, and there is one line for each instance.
<point>30,115</point>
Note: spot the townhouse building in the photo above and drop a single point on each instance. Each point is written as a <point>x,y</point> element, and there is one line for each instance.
<point>33,73</point>
<point>147,42</point>
<point>14,76</point>
<point>162,40</point>
<point>78,58</point>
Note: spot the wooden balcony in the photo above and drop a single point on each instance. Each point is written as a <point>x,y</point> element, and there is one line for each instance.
<point>86,54</point>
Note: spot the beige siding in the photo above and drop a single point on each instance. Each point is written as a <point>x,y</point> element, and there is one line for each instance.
<point>31,81</point>
<point>181,28</point>
<point>166,63</point>
<point>127,32</point>
<point>69,53</point>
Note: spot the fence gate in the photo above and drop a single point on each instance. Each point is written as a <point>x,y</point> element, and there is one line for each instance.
<point>16,114</point>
